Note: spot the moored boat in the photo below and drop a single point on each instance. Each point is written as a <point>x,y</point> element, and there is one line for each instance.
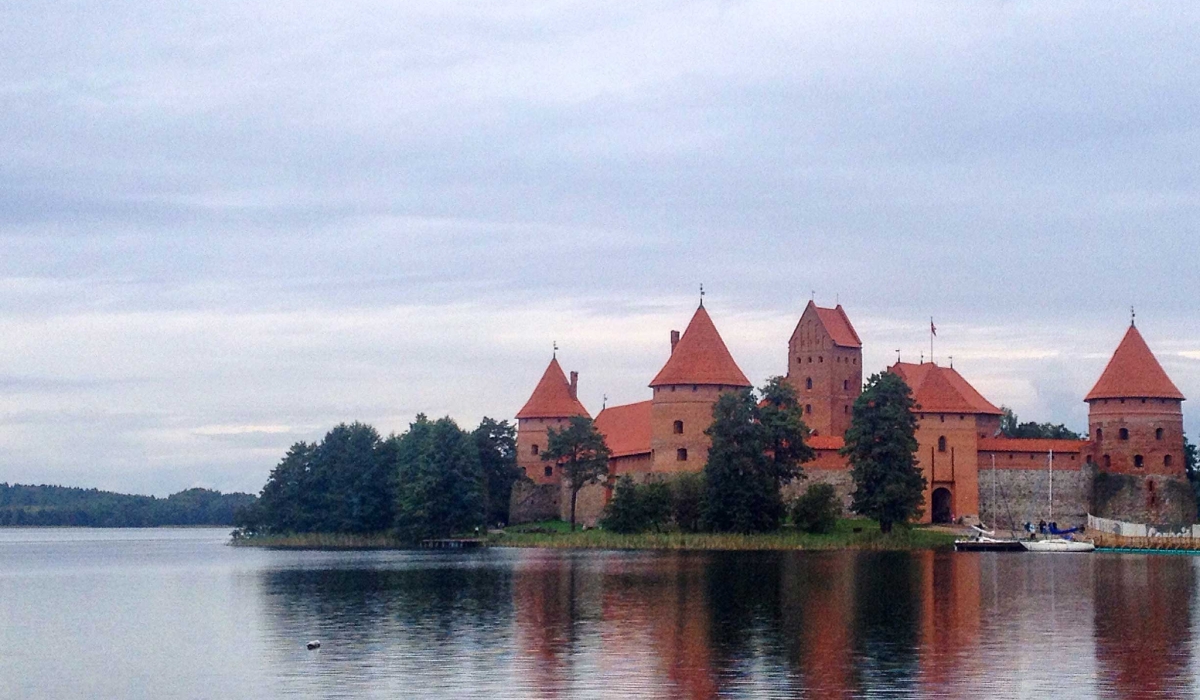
<point>1058,544</point>
<point>986,541</point>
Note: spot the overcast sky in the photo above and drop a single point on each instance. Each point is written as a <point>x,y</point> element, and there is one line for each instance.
<point>228,226</point>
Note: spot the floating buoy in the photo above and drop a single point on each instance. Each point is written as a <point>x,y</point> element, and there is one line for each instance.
<point>314,644</point>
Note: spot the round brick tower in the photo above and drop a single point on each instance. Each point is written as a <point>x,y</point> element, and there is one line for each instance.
<point>1135,423</point>
<point>699,370</point>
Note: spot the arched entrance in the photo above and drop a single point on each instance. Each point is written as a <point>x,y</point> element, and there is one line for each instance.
<point>941,505</point>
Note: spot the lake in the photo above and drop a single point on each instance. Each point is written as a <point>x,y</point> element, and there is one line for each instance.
<point>176,613</point>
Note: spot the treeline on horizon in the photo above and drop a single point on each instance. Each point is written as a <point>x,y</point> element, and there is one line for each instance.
<point>57,506</point>
<point>432,480</point>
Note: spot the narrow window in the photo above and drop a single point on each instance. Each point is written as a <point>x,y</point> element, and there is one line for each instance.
<point>942,443</point>
<point>1158,434</point>
<point>681,454</point>
<point>846,410</point>
<point>549,471</point>
<point>808,408</point>
<point>678,427</point>
<point>808,383</point>
<point>1099,434</point>
<point>845,385</point>
<point>1138,461</point>
<point>534,449</point>
<point>941,419</point>
<point>820,358</point>
<point>1123,434</point>
<point>810,360</point>
<point>1166,460</point>
<point>1107,461</point>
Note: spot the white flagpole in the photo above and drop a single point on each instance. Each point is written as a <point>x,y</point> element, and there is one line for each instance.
<point>1051,485</point>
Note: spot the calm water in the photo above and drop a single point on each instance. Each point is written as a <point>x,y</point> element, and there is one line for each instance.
<point>175,613</point>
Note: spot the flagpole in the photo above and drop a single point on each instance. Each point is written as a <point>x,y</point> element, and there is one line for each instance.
<point>932,332</point>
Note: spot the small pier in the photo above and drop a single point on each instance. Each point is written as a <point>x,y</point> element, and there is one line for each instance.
<point>453,543</point>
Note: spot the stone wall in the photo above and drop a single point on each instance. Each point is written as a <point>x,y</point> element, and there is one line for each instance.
<point>532,502</point>
<point>840,479</point>
<point>1023,495</point>
<point>1154,500</point>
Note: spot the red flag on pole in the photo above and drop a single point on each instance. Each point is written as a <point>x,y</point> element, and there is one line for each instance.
<point>932,328</point>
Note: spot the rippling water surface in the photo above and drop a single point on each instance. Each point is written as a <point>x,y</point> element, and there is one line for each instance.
<point>175,613</point>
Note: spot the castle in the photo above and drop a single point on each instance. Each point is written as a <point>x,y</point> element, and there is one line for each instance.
<point>1130,467</point>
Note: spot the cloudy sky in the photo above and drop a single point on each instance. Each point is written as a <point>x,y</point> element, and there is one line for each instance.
<point>225,227</point>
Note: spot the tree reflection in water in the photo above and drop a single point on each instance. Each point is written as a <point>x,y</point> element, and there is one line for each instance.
<point>708,624</point>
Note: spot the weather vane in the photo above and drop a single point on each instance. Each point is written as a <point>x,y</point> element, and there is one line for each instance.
<point>1132,317</point>
<point>556,348</point>
<point>701,294</point>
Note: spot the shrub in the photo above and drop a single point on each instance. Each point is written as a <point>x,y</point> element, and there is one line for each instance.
<point>817,510</point>
<point>637,508</point>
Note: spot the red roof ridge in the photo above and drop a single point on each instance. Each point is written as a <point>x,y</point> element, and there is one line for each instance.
<point>1007,444</point>
<point>1133,372</point>
<point>552,397</point>
<point>626,428</point>
<point>700,357</point>
<point>826,442</point>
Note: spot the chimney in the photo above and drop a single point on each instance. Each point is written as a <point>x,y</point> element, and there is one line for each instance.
<point>674,341</point>
<point>575,385</point>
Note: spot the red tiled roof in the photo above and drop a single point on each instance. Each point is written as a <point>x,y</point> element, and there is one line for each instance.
<point>942,389</point>
<point>552,397</point>
<point>1133,372</point>
<point>837,324</point>
<point>700,357</point>
<point>1004,444</point>
<point>626,429</point>
<point>825,442</point>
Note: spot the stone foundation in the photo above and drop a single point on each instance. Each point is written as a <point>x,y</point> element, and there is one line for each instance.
<point>1023,495</point>
<point>532,502</point>
<point>1156,500</point>
<point>840,479</point>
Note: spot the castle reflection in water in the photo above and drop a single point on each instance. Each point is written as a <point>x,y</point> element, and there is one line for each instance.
<point>558,624</point>
<point>845,624</point>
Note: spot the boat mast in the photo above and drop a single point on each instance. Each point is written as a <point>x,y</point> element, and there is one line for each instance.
<point>1051,485</point>
<point>993,513</point>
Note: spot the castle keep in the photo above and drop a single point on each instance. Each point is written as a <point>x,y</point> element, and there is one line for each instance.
<point>1130,467</point>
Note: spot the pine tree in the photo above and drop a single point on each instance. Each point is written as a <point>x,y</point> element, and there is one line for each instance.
<point>580,452</point>
<point>756,449</point>
<point>881,445</point>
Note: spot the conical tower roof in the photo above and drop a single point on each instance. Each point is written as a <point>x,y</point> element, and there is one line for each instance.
<point>552,398</point>
<point>700,357</point>
<point>1134,373</point>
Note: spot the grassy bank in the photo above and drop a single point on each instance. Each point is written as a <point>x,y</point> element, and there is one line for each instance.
<point>849,534</point>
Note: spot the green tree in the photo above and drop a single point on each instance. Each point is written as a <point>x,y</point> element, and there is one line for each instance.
<point>439,481</point>
<point>1010,426</point>
<point>786,435</point>
<point>756,448</point>
<point>881,445</point>
<point>580,452</point>
<point>497,444</point>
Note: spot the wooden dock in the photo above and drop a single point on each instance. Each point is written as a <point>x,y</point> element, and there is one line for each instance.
<point>454,543</point>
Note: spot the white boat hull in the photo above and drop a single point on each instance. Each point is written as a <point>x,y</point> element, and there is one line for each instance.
<point>1057,544</point>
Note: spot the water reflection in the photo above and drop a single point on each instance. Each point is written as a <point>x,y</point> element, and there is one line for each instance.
<point>1143,621</point>
<point>706,625</point>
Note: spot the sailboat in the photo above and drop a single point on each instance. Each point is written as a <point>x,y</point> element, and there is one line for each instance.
<point>985,540</point>
<point>1056,543</point>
